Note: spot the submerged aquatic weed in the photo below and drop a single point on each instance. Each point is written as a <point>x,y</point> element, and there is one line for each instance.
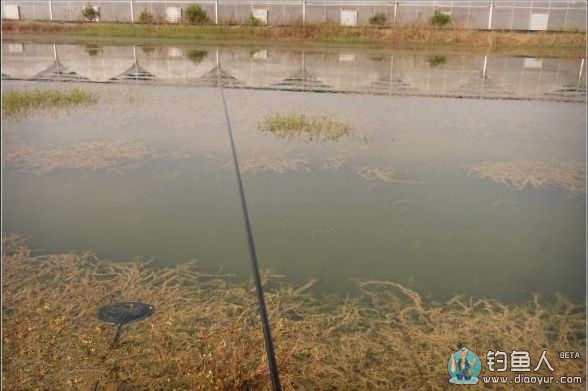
<point>206,332</point>
<point>93,156</point>
<point>384,174</point>
<point>280,166</point>
<point>334,163</point>
<point>84,156</point>
<point>18,102</point>
<point>305,127</point>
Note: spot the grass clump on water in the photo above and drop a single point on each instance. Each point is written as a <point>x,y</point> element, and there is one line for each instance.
<point>19,102</point>
<point>305,127</point>
<point>206,334</point>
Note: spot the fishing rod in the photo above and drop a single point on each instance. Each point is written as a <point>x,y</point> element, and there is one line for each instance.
<point>267,333</point>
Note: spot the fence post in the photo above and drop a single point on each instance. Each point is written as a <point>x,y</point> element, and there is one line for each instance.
<point>395,11</point>
<point>50,10</point>
<point>303,12</point>
<point>490,15</point>
<point>132,11</point>
<point>566,17</point>
<point>216,12</point>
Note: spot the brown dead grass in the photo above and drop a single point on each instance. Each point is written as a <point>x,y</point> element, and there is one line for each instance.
<point>205,332</point>
<point>537,174</point>
<point>36,27</point>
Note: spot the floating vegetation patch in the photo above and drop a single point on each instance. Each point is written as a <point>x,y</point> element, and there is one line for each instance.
<point>19,102</point>
<point>206,331</point>
<point>402,206</point>
<point>280,166</point>
<point>83,156</point>
<point>538,174</point>
<point>304,127</point>
<point>384,174</point>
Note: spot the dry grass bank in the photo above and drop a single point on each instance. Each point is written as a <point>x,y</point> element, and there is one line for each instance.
<point>545,43</point>
<point>205,332</point>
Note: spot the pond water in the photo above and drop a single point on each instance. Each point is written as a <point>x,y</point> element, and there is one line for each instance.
<point>391,201</point>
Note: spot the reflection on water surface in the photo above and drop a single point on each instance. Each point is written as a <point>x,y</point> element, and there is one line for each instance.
<point>343,70</point>
<point>392,200</point>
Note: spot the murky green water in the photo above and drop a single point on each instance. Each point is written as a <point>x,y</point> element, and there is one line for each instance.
<point>435,230</point>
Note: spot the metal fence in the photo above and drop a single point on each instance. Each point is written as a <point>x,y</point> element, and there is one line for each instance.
<point>500,15</point>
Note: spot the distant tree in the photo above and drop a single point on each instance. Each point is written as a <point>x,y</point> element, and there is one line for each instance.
<point>146,17</point>
<point>440,19</point>
<point>196,15</point>
<point>379,19</point>
<point>252,21</point>
<point>91,13</point>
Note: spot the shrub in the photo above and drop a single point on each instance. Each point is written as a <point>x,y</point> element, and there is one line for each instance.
<point>145,17</point>
<point>440,19</point>
<point>196,15</point>
<point>252,21</point>
<point>90,13</point>
<point>379,19</point>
